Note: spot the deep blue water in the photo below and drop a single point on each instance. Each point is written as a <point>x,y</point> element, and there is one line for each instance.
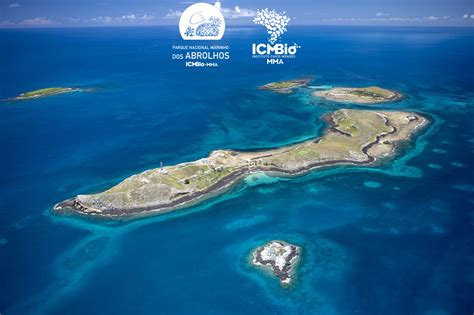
<point>396,239</point>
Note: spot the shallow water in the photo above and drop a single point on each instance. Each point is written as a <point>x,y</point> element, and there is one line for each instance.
<point>396,239</point>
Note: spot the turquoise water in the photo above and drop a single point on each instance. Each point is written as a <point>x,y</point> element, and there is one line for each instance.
<point>396,239</point>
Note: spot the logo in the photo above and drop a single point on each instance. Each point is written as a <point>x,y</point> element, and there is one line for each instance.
<point>274,22</point>
<point>202,21</point>
<point>274,51</point>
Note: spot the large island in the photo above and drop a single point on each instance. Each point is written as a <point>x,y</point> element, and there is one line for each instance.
<point>355,137</point>
<point>359,95</point>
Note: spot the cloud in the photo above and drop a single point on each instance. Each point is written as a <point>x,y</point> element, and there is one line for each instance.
<point>76,20</point>
<point>101,19</point>
<point>236,12</point>
<point>133,17</point>
<point>14,5</point>
<point>381,14</point>
<point>127,18</point>
<point>38,21</point>
<point>173,14</point>
<point>392,19</point>
<point>231,13</point>
<point>437,18</point>
<point>467,16</point>
<point>6,23</point>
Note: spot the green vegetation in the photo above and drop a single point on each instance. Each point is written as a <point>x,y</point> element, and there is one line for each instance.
<point>282,85</point>
<point>372,91</point>
<point>44,92</point>
<point>361,95</point>
<point>285,86</point>
<point>344,123</point>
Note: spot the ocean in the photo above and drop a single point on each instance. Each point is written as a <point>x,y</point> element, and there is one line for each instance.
<point>393,239</point>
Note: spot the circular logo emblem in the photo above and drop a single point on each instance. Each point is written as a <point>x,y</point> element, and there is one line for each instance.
<point>202,21</point>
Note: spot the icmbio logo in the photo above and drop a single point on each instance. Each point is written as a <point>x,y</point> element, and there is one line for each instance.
<point>275,24</point>
<point>202,21</point>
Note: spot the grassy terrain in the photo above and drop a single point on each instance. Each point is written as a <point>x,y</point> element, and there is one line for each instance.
<point>282,84</point>
<point>285,85</point>
<point>361,95</point>
<point>45,92</point>
<point>372,91</point>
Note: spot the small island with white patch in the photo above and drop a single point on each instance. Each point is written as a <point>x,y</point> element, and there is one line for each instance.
<point>278,256</point>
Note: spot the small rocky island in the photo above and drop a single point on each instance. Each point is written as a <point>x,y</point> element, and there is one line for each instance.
<point>286,87</point>
<point>43,93</point>
<point>354,137</point>
<point>280,257</point>
<point>359,95</point>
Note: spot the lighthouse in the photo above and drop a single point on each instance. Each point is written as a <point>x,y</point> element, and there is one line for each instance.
<point>162,170</point>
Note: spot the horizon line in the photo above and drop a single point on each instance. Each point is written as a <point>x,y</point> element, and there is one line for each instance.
<point>59,26</point>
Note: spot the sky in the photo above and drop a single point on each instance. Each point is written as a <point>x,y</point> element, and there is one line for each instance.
<point>87,13</point>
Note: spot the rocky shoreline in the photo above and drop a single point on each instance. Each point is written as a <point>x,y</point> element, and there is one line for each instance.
<point>74,205</point>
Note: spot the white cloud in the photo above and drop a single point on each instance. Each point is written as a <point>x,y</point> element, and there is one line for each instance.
<point>14,5</point>
<point>133,18</point>
<point>130,17</point>
<point>127,18</point>
<point>76,20</point>
<point>38,21</point>
<point>467,16</point>
<point>173,14</point>
<point>236,12</point>
<point>101,19</point>
<point>6,23</point>
<point>381,14</point>
<point>392,19</point>
<point>243,12</point>
<point>231,13</point>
